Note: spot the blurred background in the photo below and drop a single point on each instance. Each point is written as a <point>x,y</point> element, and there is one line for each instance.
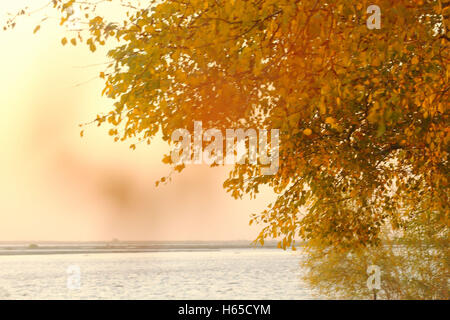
<point>56,185</point>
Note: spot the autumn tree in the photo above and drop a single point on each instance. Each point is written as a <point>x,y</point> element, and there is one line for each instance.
<point>412,264</point>
<point>362,113</point>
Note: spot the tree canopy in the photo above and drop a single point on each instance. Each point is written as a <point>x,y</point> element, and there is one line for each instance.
<point>362,113</point>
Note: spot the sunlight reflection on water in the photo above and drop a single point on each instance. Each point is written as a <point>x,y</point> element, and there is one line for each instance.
<point>221,274</point>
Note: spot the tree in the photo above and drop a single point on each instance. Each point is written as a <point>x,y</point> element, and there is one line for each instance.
<point>362,113</point>
<point>412,264</point>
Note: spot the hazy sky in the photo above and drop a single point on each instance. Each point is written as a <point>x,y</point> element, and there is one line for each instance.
<point>57,186</point>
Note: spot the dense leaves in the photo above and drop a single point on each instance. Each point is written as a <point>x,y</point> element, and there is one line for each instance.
<point>413,264</point>
<point>363,114</point>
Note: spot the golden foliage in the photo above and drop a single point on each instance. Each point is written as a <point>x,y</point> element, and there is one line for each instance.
<point>363,114</point>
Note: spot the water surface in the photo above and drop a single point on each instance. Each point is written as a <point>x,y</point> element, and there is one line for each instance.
<point>234,273</point>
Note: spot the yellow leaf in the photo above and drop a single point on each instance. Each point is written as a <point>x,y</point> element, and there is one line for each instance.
<point>330,120</point>
<point>322,107</point>
<point>307,132</point>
